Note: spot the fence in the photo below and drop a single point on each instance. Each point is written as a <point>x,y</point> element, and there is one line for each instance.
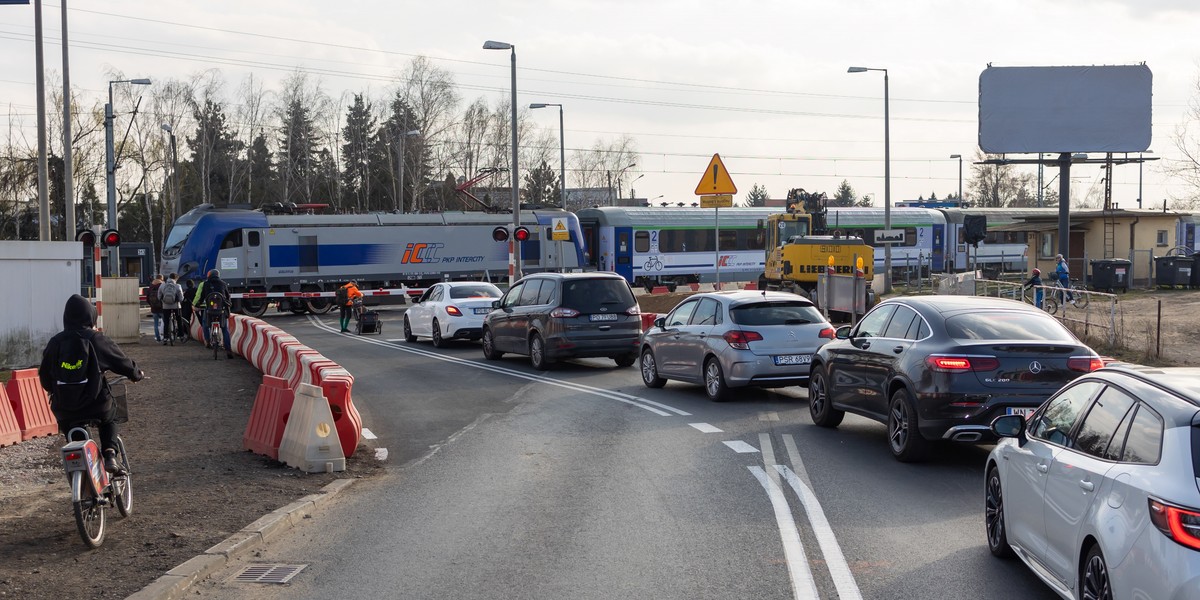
<point>1097,316</point>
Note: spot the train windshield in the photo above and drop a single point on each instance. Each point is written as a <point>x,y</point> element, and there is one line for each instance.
<point>178,234</point>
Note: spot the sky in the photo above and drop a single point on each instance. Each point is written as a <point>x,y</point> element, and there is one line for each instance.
<point>764,83</point>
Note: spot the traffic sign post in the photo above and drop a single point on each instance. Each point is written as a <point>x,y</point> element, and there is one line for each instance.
<point>559,234</point>
<point>716,190</point>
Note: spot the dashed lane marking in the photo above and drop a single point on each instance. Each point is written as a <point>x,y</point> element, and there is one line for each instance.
<point>740,447</point>
<point>705,428</point>
<point>367,433</point>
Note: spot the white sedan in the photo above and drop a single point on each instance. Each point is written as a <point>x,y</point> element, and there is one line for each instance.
<point>449,311</point>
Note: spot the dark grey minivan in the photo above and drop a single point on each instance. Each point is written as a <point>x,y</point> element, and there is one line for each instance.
<point>554,316</point>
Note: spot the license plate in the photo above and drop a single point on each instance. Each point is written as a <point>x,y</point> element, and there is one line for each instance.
<point>482,311</point>
<point>608,317</point>
<point>793,359</point>
<point>1024,412</point>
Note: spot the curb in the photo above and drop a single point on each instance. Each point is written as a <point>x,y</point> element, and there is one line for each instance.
<point>175,583</point>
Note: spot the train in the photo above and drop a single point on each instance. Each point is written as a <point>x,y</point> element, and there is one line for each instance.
<point>256,251</point>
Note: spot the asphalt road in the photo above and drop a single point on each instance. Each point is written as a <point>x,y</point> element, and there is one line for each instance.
<point>582,483</point>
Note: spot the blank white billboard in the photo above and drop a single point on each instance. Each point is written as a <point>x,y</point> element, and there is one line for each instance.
<point>1065,109</point>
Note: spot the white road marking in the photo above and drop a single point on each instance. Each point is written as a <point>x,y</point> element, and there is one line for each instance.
<point>381,454</point>
<point>803,585</point>
<point>579,387</point>
<point>839,570</point>
<point>367,433</point>
<point>705,428</point>
<point>741,447</point>
<point>768,416</point>
<point>396,340</point>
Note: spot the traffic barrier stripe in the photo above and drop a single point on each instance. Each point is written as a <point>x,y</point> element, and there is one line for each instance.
<point>10,432</point>
<point>659,289</point>
<point>272,405</point>
<point>294,368</point>
<point>30,404</point>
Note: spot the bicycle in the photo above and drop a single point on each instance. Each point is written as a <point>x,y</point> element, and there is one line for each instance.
<point>214,332</point>
<point>94,489</point>
<point>1049,302</point>
<point>1078,293</point>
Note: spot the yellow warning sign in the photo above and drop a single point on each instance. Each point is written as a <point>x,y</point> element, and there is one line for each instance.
<point>717,201</point>
<point>559,232</point>
<point>716,179</point>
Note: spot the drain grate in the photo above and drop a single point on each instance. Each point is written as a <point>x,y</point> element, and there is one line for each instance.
<point>268,573</point>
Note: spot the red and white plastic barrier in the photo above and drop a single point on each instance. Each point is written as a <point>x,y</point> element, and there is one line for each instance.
<point>30,404</point>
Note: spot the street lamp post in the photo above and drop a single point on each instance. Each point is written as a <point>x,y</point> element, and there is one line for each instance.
<point>631,185</point>
<point>174,171</point>
<point>562,153</point>
<point>514,259</point>
<point>959,157</point>
<point>887,176</point>
<point>111,171</point>
<point>620,175</point>
<point>400,168</point>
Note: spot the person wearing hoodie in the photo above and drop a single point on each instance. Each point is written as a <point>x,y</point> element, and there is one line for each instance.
<point>156,305</point>
<point>214,286</point>
<point>72,372</point>
<point>171,297</point>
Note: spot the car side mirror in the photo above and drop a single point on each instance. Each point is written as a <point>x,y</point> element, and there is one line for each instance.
<point>660,322</point>
<point>495,304</point>
<point>1009,426</point>
<point>842,333</point>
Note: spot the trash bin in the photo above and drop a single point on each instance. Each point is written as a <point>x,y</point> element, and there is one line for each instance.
<point>1170,271</point>
<point>1195,274</point>
<point>1110,275</point>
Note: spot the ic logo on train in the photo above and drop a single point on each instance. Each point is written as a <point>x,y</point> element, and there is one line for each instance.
<point>420,253</point>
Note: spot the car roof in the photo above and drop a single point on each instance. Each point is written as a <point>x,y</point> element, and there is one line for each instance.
<point>568,276</point>
<point>746,296</point>
<point>1182,381</point>
<point>462,283</point>
<point>948,304</point>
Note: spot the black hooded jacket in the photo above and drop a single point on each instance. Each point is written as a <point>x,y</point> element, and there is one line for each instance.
<point>79,317</point>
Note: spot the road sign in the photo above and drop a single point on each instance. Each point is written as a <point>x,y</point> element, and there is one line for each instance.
<point>717,201</point>
<point>559,232</point>
<point>889,236</point>
<point>716,179</point>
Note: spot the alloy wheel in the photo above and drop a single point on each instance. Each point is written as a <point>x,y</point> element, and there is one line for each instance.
<point>994,511</point>
<point>898,426</point>
<point>712,378</point>
<point>1095,579</point>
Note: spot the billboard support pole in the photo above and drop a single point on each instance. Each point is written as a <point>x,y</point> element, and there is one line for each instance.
<point>1064,205</point>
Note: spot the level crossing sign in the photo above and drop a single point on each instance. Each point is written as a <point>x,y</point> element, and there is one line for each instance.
<point>716,179</point>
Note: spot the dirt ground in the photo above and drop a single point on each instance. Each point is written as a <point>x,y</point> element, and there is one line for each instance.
<point>193,484</point>
<point>1140,336</point>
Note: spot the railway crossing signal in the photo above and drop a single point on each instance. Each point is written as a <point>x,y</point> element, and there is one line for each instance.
<point>500,234</point>
<point>110,238</point>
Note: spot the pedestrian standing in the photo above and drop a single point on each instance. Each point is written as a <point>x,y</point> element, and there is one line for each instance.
<point>156,306</point>
<point>185,310</point>
<point>171,296</point>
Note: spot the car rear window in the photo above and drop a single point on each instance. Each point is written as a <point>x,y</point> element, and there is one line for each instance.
<point>591,295</point>
<point>780,312</point>
<point>474,291</point>
<point>998,325</point>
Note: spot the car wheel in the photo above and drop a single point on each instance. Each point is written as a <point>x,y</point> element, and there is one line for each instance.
<point>820,407</point>
<point>650,370</point>
<point>537,353</point>
<point>489,346</point>
<point>904,437</point>
<point>438,342</point>
<point>1093,582</point>
<point>993,515</point>
<point>408,334</point>
<point>714,381</point>
<point>625,361</point>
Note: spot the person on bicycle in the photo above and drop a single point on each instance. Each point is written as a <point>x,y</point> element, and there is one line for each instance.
<point>1062,273</point>
<point>345,298</point>
<point>212,300</point>
<point>72,372</point>
<point>171,296</point>
<point>1035,282</point>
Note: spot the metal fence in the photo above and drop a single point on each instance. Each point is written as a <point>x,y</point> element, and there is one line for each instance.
<point>1098,317</point>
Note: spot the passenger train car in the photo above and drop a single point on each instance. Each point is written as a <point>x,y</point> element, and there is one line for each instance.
<point>260,252</point>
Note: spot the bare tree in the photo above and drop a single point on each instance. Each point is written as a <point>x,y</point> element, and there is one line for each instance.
<point>1187,141</point>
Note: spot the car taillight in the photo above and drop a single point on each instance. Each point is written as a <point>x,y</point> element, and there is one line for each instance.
<point>960,364</point>
<point>1084,364</point>
<point>633,310</point>
<point>827,333</point>
<point>453,311</point>
<point>1179,524</point>
<point>741,339</point>
<point>564,313</point>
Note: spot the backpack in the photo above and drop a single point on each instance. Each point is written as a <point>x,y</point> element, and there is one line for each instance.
<point>76,372</point>
<point>172,293</point>
<point>342,296</point>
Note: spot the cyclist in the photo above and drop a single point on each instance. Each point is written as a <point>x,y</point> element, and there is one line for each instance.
<point>72,372</point>
<point>1035,282</point>
<point>345,298</point>
<point>212,300</point>
<point>1062,273</point>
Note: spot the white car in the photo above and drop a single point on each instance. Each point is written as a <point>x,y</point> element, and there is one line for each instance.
<point>452,310</point>
<point>1097,492</point>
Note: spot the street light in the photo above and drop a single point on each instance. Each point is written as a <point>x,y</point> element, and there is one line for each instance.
<point>959,157</point>
<point>631,184</point>
<point>620,174</point>
<point>111,171</point>
<point>514,261</point>
<point>562,152</point>
<point>887,177</point>
<point>400,167</point>
<point>174,171</point>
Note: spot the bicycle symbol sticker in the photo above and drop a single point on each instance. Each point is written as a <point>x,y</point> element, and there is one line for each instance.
<point>653,264</point>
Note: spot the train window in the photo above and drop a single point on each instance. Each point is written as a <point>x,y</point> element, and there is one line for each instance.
<point>641,241</point>
<point>233,239</point>
<point>910,236</point>
<point>756,239</point>
<point>308,254</point>
<point>729,239</point>
<point>253,239</point>
<point>670,241</point>
<point>699,240</point>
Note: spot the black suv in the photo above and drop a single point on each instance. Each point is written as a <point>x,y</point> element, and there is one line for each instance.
<point>552,316</point>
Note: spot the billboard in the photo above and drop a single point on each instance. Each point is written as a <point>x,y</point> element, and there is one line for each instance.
<point>1065,109</point>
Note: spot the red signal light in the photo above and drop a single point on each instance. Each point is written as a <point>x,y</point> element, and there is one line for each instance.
<point>521,234</point>
<point>500,234</point>
<point>87,236</point>
<point>111,238</point>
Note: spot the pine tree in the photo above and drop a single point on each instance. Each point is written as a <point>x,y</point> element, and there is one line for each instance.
<point>844,196</point>
<point>542,186</point>
<point>757,196</point>
<point>356,154</point>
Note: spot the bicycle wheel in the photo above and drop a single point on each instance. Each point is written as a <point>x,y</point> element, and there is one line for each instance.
<point>1081,296</point>
<point>214,334</point>
<point>1050,304</point>
<point>122,485</point>
<point>89,513</point>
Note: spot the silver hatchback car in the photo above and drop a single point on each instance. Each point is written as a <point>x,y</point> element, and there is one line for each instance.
<point>1097,492</point>
<point>725,340</point>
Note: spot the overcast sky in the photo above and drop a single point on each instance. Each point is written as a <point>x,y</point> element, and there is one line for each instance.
<point>763,83</point>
